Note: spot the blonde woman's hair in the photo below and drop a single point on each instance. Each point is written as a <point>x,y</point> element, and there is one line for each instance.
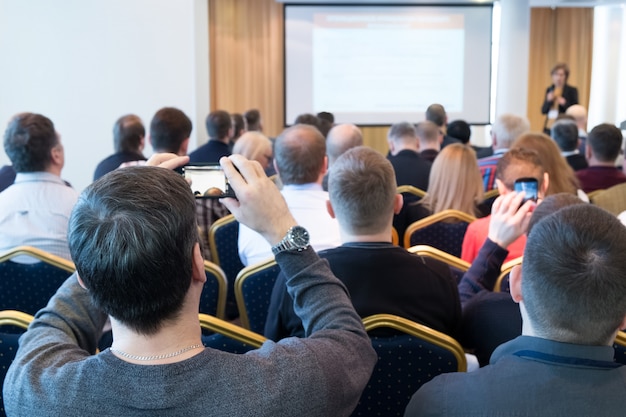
<point>455,181</point>
<point>562,177</point>
<point>253,145</point>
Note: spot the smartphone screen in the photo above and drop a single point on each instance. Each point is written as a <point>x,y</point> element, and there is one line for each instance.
<point>207,181</point>
<point>529,186</point>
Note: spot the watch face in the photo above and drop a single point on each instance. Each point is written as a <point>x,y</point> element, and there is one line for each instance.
<point>299,236</point>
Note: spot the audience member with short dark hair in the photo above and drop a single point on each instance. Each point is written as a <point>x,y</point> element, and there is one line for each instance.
<point>134,240</point>
<point>603,146</point>
<point>436,113</point>
<point>380,277</point>
<point>35,210</point>
<point>409,166</point>
<point>219,126</point>
<point>571,291</point>
<point>253,120</point>
<point>324,115</point>
<point>239,127</point>
<point>429,137</point>
<point>128,142</point>
<point>565,134</point>
<point>170,129</point>
<point>308,119</point>
<point>462,131</point>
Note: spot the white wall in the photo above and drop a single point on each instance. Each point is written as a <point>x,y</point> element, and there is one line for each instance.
<point>84,63</point>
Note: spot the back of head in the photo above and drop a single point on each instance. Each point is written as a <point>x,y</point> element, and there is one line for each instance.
<point>168,129</point>
<point>362,189</point>
<point>128,134</point>
<point>552,204</point>
<point>427,133</point>
<point>299,153</point>
<point>507,128</point>
<point>239,125</point>
<point>255,146</point>
<point>574,275</point>
<point>605,141</point>
<point>436,113</point>
<point>324,115</point>
<point>308,119</point>
<point>579,113</point>
<point>455,181</point>
<point>218,125</point>
<point>29,140</point>
<point>341,138</point>
<point>253,119</point>
<point>402,133</point>
<point>562,177</point>
<point>460,130</point>
<point>565,134</point>
<point>132,235</point>
<point>519,163</point>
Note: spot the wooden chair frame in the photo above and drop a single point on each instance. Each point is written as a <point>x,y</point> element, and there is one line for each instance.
<point>435,218</point>
<point>15,318</point>
<point>222,283</point>
<point>227,329</point>
<point>43,256</point>
<point>411,190</point>
<point>504,271</point>
<point>438,254</point>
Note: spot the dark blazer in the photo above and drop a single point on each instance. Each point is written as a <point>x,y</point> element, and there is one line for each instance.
<point>211,151</point>
<point>411,169</point>
<point>577,161</point>
<point>7,176</point>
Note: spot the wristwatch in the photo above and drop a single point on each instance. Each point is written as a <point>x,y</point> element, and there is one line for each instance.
<point>297,239</point>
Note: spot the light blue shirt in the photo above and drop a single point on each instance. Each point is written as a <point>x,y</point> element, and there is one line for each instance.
<point>35,211</point>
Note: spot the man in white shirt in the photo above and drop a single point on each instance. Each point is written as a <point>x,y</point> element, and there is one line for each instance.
<point>300,161</point>
<point>35,210</point>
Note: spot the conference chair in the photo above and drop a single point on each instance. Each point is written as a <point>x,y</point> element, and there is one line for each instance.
<point>410,356</point>
<point>213,297</point>
<point>9,342</point>
<point>395,239</point>
<point>620,347</point>
<point>611,199</point>
<point>444,230</point>
<point>411,190</point>
<point>27,287</point>
<point>223,241</point>
<point>502,283</point>
<point>253,290</point>
<point>458,266</point>
<point>227,336</point>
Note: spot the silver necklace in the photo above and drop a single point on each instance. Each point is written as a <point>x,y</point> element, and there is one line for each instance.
<point>156,357</point>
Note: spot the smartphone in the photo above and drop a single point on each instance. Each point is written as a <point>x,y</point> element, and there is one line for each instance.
<point>208,181</point>
<point>530,186</point>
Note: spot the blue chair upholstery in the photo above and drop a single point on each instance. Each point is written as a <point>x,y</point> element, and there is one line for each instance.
<point>28,287</point>
<point>253,290</point>
<point>458,266</point>
<point>213,297</point>
<point>408,358</point>
<point>620,348</point>
<point>444,231</point>
<point>228,337</point>
<point>223,238</point>
<point>9,342</point>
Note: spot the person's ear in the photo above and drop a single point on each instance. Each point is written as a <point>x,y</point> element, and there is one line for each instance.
<point>544,185</point>
<point>398,202</point>
<point>515,283</point>
<point>80,281</point>
<point>197,269</point>
<point>329,208</point>
<point>325,165</point>
<point>182,151</point>
<point>275,166</point>
<point>502,189</point>
<point>588,153</point>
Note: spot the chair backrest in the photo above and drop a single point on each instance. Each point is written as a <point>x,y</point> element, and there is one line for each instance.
<point>413,355</point>
<point>28,287</point>
<point>458,266</point>
<point>253,290</point>
<point>612,199</point>
<point>620,347</point>
<point>229,337</point>
<point>9,343</point>
<point>223,240</point>
<point>444,230</point>
<point>409,189</point>
<point>213,297</point>
<point>394,236</point>
<point>502,283</point>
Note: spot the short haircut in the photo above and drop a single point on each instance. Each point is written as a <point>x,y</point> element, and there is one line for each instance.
<point>560,66</point>
<point>362,189</point>
<point>519,163</point>
<point>402,132</point>
<point>460,130</point>
<point>509,127</point>
<point>132,235</point>
<point>341,138</point>
<point>308,119</point>
<point>253,145</point>
<point>299,153</point>
<point>551,204</point>
<point>218,124</point>
<point>168,129</point>
<point>455,181</point>
<point>605,141</point>
<point>29,140</point>
<point>574,275</point>
<point>324,115</point>
<point>436,113</point>
<point>128,132</point>
<point>239,125</point>
<point>324,126</point>
<point>253,118</point>
<point>427,132</point>
<point>565,134</point>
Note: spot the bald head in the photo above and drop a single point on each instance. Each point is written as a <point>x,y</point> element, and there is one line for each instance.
<point>300,155</point>
<point>579,113</point>
<point>341,138</point>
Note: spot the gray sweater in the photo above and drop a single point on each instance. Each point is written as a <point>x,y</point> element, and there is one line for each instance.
<point>56,373</point>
